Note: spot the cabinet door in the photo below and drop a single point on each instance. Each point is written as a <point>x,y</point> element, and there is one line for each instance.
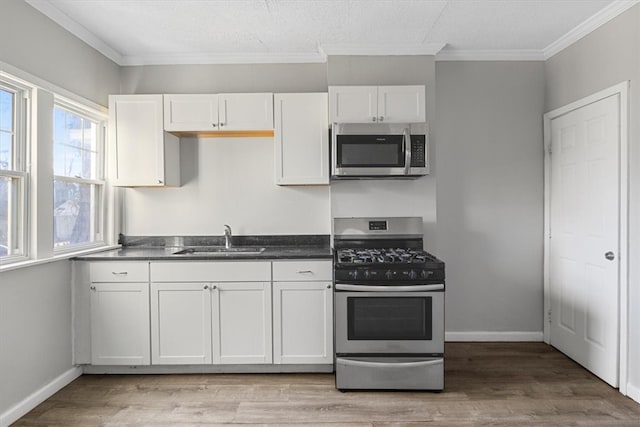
<point>302,322</point>
<point>191,112</point>
<point>241,322</point>
<point>353,104</point>
<point>144,154</point>
<point>401,104</point>
<point>302,138</point>
<point>120,324</point>
<point>245,111</point>
<point>180,323</point>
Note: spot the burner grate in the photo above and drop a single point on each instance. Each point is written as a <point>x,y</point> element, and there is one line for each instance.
<point>383,256</point>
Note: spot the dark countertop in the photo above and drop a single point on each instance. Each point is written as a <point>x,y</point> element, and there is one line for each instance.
<point>162,248</point>
<point>166,253</point>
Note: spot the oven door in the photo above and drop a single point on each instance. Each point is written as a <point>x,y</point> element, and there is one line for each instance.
<point>369,155</point>
<point>389,320</point>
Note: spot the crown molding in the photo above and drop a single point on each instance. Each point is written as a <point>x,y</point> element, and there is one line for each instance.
<point>491,55</point>
<point>226,58</point>
<point>380,49</point>
<point>49,10</point>
<point>602,17</point>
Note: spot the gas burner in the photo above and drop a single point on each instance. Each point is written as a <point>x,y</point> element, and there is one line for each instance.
<point>382,256</point>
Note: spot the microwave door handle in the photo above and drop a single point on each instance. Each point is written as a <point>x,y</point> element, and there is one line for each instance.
<point>406,147</point>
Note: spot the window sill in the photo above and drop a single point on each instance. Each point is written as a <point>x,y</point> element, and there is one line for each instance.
<point>58,257</point>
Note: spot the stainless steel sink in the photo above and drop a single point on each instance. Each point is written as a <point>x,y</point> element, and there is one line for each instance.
<point>212,250</point>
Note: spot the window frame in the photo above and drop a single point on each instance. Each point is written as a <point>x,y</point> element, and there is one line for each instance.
<point>98,184</point>
<point>20,171</point>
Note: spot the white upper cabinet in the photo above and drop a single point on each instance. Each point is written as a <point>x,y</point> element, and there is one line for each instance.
<point>245,111</point>
<point>377,104</point>
<point>145,155</point>
<point>353,104</point>
<point>302,139</point>
<point>191,112</point>
<point>401,104</point>
<point>223,112</point>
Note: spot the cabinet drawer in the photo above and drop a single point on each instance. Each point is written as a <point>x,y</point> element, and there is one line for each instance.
<point>119,271</point>
<point>212,271</point>
<point>302,270</point>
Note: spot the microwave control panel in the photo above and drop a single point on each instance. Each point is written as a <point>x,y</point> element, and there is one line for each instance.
<point>418,151</point>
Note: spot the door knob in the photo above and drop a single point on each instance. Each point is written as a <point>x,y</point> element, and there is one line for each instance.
<point>610,256</point>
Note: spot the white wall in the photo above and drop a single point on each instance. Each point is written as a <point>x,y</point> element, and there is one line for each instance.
<point>606,57</point>
<point>227,180</point>
<point>490,195</point>
<point>35,302</point>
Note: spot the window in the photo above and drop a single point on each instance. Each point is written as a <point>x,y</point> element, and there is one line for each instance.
<point>78,187</point>
<point>13,170</point>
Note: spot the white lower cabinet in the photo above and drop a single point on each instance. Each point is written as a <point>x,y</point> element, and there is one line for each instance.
<point>302,322</point>
<point>205,318</point>
<point>180,323</point>
<point>242,323</point>
<point>302,312</point>
<point>120,323</point>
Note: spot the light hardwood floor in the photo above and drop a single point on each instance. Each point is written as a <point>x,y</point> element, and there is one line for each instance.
<point>497,384</point>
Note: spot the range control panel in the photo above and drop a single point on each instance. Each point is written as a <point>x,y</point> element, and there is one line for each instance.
<point>418,155</point>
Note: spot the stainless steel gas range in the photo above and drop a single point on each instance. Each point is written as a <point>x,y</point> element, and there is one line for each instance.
<point>389,306</point>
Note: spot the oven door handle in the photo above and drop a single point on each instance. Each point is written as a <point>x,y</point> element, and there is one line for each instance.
<point>363,363</point>
<point>373,288</point>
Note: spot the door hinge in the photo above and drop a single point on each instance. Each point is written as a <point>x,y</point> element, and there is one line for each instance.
<point>550,150</point>
<point>549,316</point>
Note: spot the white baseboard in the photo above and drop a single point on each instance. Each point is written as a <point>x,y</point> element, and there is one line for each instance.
<point>510,336</point>
<point>34,399</point>
<point>633,392</point>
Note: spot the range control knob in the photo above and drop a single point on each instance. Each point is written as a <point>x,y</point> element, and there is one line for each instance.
<point>425,274</point>
<point>367,274</point>
<point>413,275</point>
<point>353,274</point>
<point>389,274</point>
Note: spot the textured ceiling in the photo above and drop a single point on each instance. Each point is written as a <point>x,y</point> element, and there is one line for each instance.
<point>209,31</point>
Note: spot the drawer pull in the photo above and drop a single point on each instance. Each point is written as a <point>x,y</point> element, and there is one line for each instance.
<point>305,272</point>
<point>119,273</point>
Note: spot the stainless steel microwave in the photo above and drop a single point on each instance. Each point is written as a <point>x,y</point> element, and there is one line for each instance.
<point>379,151</point>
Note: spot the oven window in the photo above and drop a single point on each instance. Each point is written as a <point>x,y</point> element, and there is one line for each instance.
<point>364,151</point>
<point>389,318</point>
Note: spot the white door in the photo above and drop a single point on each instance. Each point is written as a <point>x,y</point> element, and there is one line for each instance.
<point>197,112</point>
<point>353,104</point>
<point>302,138</point>
<point>136,129</point>
<point>180,323</point>
<point>308,341</point>
<point>120,324</point>
<point>241,322</point>
<point>245,111</point>
<point>584,238</point>
<point>401,104</point>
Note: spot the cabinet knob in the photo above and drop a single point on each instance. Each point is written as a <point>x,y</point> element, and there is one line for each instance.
<point>215,125</point>
<point>381,118</point>
<point>221,124</point>
<point>159,181</point>
<point>206,287</point>
<point>93,288</point>
<point>328,286</point>
<point>374,118</point>
<point>214,287</point>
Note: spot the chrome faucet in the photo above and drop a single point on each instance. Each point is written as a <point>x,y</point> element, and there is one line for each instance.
<point>227,236</point>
